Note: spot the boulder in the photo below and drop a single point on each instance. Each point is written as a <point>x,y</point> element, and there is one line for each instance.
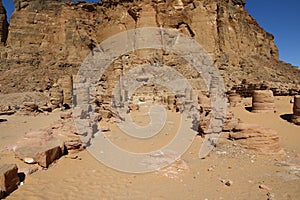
<point>39,147</point>
<point>66,115</point>
<point>9,179</point>
<point>29,107</point>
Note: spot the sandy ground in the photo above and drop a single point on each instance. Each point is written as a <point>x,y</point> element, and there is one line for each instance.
<point>191,178</point>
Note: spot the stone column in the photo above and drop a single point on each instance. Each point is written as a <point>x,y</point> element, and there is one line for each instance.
<point>56,96</point>
<point>234,99</point>
<point>262,101</point>
<point>296,110</point>
<point>66,83</point>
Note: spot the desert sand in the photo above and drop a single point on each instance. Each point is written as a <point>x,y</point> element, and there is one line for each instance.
<point>228,172</point>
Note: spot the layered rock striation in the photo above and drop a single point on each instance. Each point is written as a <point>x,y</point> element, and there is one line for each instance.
<point>49,39</point>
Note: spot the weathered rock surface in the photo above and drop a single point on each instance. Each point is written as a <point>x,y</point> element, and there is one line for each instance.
<point>262,140</point>
<point>47,145</point>
<point>9,179</point>
<point>56,37</point>
<point>65,130</point>
<point>14,101</point>
<point>39,147</point>
<point>29,107</point>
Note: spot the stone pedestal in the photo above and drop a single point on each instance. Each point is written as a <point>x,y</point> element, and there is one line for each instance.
<point>296,110</point>
<point>66,83</point>
<point>262,101</point>
<point>234,99</point>
<point>56,96</point>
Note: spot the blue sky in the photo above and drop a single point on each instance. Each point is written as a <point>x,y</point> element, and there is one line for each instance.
<point>281,18</point>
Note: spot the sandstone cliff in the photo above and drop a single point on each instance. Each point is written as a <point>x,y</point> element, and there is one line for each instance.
<point>3,25</point>
<point>50,38</point>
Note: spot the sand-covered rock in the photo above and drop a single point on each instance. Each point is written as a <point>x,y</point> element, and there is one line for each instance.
<point>260,139</point>
<point>39,147</point>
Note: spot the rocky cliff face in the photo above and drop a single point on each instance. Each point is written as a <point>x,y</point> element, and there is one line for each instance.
<point>3,25</point>
<point>48,39</point>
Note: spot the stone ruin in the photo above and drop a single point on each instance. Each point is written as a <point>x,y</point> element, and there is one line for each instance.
<point>43,54</point>
<point>263,101</point>
<point>296,110</point>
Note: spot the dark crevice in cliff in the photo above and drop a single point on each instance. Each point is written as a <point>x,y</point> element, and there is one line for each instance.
<point>188,28</point>
<point>219,27</point>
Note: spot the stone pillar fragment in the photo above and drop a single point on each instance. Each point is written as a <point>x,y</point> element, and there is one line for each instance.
<point>296,110</point>
<point>234,99</point>
<point>56,96</point>
<point>66,83</point>
<point>262,101</point>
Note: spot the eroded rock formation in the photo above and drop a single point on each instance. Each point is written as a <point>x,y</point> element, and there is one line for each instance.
<point>257,138</point>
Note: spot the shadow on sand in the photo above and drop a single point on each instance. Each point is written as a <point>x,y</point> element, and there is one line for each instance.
<point>286,117</point>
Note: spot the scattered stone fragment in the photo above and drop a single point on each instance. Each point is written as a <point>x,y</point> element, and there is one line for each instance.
<point>228,183</point>
<point>28,170</point>
<point>9,179</point>
<point>264,187</point>
<point>71,156</point>
<point>29,107</point>
<point>174,170</point>
<point>133,107</point>
<point>270,196</point>
<point>48,156</point>
<point>104,128</point>
<point>29,160</point>
<point>66,115</point>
